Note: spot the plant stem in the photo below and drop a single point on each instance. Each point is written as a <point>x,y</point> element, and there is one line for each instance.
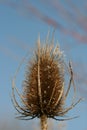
<point>43,122</point>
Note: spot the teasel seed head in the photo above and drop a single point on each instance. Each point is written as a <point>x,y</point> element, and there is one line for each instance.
<point>43,87</point>
<point>44,81</point>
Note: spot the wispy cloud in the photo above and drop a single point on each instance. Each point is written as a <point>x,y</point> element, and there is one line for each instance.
<point>75,16</point>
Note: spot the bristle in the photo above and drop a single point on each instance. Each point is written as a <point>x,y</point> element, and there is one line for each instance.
<point>44,84</point>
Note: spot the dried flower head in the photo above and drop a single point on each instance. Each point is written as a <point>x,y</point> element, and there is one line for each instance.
<point>43,88</point>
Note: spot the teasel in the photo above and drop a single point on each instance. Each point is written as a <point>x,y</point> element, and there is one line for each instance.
<point>44,94</point>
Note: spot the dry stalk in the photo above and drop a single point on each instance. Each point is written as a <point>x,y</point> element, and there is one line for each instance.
<point>43,119</point>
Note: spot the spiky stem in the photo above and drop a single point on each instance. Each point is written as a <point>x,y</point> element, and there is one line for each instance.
<point>43,120</point>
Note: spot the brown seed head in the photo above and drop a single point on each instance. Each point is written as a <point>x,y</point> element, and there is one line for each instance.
<point>43,87</point>
<point>44,81</point>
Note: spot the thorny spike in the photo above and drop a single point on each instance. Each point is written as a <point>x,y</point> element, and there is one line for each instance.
<point>38,100</point>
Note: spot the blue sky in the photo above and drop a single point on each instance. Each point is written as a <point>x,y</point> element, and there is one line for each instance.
<point>20,24</point>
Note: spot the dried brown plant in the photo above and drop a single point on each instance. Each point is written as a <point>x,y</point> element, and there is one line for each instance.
<point>43,87</point>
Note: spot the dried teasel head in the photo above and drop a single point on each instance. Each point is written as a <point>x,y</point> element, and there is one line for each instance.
<point>43,88</point>
<point>44,82</point>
